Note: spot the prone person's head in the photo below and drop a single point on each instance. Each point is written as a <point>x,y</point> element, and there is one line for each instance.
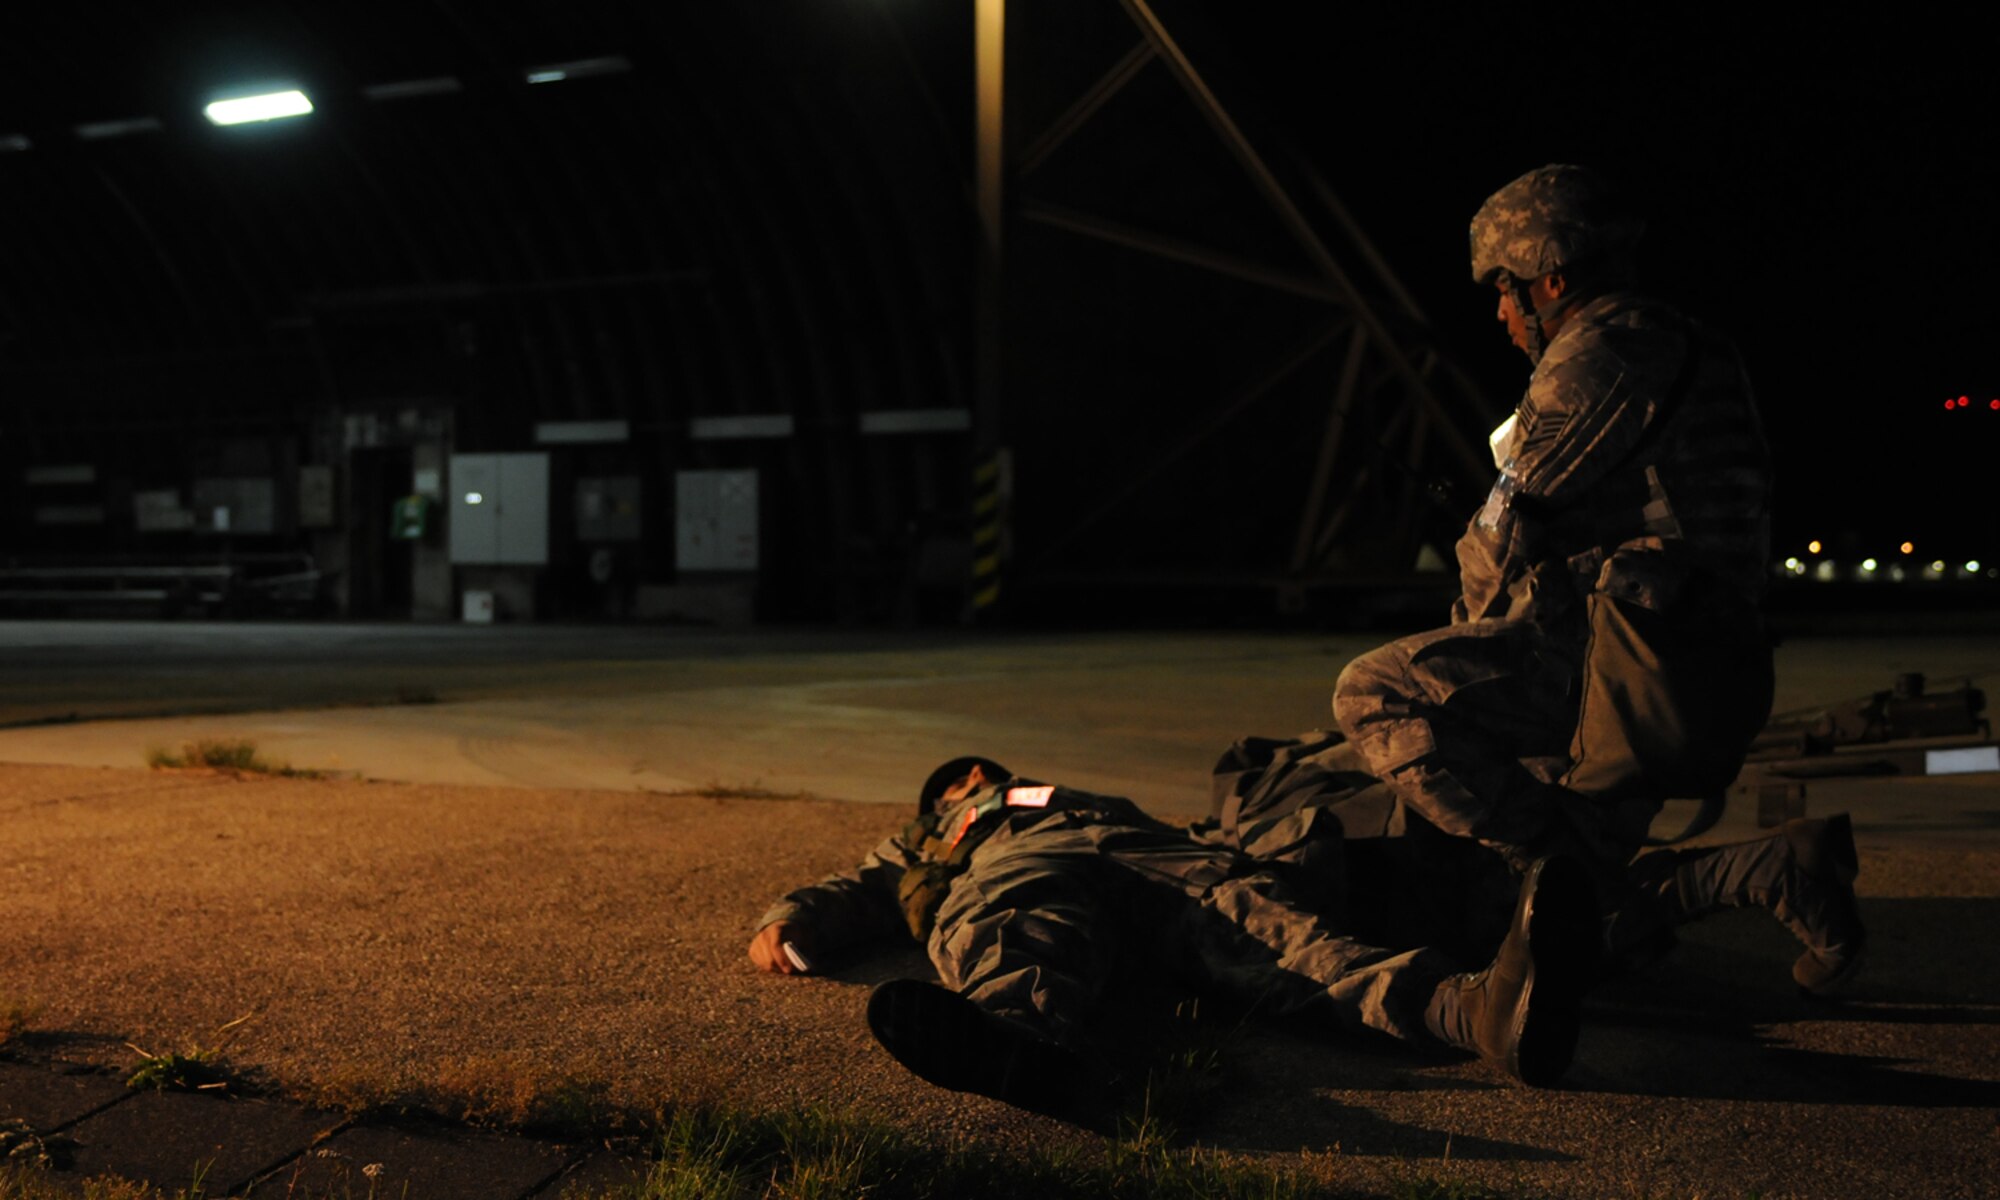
<point>956,780</point>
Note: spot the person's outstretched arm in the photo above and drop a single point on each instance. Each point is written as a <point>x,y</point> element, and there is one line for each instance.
<point>837,913</point>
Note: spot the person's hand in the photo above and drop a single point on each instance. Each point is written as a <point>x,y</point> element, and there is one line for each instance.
<point>767,949</point>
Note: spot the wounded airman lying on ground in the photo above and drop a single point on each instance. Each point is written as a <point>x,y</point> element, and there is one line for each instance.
<point>1310,892</point>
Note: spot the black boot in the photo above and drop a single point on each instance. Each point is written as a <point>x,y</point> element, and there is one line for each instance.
<point>1524,1010</point>
<point>1819,906</point>
<point>951,1042</point>
<point>1803,874</point>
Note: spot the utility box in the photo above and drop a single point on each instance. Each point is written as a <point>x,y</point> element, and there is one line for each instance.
<point>500,509</point>
<point>715,520</point>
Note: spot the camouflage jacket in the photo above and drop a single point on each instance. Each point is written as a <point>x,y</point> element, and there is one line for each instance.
<point>898,886</point>
<point>1635,459</point>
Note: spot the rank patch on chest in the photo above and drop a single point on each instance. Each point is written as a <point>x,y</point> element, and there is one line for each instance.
<point>1030,797</point>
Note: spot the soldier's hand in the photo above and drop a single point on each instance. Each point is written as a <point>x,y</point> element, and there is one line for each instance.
<point>767,949</point>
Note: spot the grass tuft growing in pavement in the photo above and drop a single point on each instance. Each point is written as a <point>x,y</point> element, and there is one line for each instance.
<point>195,1071</point>
<point>14,1017</point>
<point>718,1153</point>
<point>234,755</point>
<point>18,1182</point>
<point>513,1092</point>
<point>22,1145</point>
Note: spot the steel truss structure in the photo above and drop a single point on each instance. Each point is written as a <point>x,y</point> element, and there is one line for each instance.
<point>1394,434</point>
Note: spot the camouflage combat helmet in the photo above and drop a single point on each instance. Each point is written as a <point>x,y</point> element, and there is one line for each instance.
<point>1551,218</point>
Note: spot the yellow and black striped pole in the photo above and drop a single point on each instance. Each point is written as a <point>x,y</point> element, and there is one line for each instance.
<point>989,514</point>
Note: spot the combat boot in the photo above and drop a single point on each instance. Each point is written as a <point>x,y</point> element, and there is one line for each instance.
<point>1804,874</point>
<point>1525,1009</point>
<point>1819,906</point>
<point>952,1042</point>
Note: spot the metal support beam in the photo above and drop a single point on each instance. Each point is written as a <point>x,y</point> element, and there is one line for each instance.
<point>1366,247</point>
<point>1337,522</point>
<point>1301,230</point>
<point>1175,250</point>
<point>1078,114</point>
<point>989,60</point>
<point>1329,451</point>
<point>1246,396</point>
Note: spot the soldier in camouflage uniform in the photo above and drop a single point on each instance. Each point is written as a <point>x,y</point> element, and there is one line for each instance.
<point>1307,805</point>
<point>1031,897</point>
<point>1605,652</point>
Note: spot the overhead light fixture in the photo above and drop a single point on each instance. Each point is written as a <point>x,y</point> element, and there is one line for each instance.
<point>11,143</point>
<point>581,68</point>
<point>270,106</point>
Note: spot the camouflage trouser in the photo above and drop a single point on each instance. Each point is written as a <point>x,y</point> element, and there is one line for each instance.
<point>1445,718</point>
<point>1795,872</point>
<point>1043,918</point>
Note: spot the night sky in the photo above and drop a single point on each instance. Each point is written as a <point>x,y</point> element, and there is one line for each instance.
<point>1819,186</point>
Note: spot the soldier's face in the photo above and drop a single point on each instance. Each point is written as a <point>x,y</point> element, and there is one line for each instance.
<point>972,782</point>
<point>1541,292</point>
<point>1510,316</point>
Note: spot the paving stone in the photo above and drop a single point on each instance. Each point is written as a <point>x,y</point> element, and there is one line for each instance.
<point>436,1164</point>
<point>45,1098</point>
<point>172,1138</point>
<point>596,1175</point>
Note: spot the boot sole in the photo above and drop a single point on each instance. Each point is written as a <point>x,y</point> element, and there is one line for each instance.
<point>947,1040</point>
<point>1563,944</point>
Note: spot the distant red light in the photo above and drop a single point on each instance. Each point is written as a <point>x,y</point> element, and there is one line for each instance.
<point>1962,402</point>
<point>1994,405</point>
<point>1950,404</point>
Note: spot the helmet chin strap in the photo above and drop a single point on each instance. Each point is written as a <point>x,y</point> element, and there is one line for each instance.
<point>1533,318</point>
<point>1525,307</point>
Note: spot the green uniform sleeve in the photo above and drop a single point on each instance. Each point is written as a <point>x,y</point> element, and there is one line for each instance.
<point>1590,401</point>
<point>852,907</point>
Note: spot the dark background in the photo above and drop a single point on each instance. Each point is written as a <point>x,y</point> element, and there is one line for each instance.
<point>771,212</point>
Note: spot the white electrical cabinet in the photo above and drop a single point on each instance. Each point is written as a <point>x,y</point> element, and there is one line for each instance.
<point>500,509</point>
<point>715,520</point>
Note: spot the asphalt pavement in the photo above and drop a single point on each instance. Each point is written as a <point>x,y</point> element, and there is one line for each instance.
<point>394,931</point>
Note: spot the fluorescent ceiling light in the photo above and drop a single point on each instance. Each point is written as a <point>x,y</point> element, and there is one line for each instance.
<point>97,130</point>
<point>268,107</point>
<point>407,89</point>
<point>12,142</point>
<point>582,68</point>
